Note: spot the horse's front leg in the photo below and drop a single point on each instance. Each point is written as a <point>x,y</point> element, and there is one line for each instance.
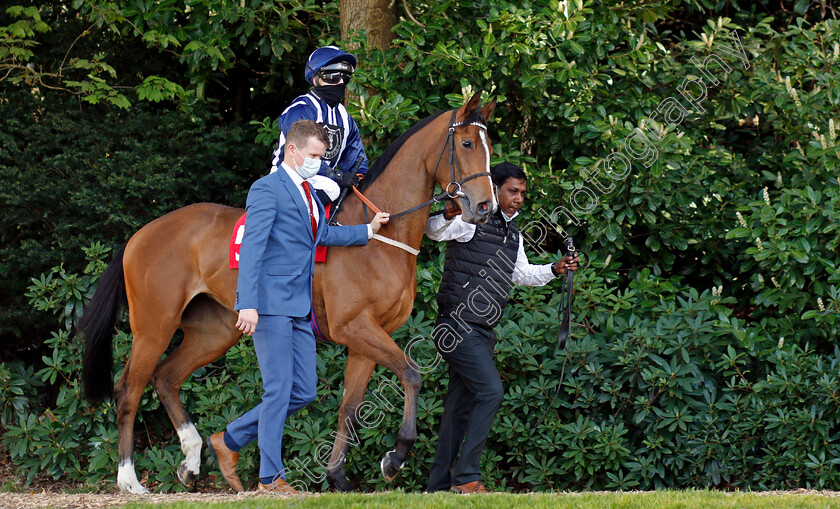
<point>366,339</point>
<point>394,460</point>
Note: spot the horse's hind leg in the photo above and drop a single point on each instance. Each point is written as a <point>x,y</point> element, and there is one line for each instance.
<point>356,376</point>
<point>146,350</point>
<point>209,331</point>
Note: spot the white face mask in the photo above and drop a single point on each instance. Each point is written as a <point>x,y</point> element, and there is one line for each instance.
<point>309,168</point>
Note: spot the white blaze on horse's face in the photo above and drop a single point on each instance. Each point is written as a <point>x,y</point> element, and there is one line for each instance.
<point>483,135</point>
<point>478,199</point>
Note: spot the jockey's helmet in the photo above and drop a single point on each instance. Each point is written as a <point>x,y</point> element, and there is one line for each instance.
<point>329,62</point>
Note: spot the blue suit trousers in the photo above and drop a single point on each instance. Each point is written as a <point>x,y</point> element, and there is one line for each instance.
<point>285,349</point>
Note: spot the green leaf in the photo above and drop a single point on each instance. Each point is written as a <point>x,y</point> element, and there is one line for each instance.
<point>612,231</point>
<point>577,48</point>
<point>738,233</point>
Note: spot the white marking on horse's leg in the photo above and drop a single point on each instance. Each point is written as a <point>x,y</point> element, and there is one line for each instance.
<point>487,158</point>
<point>127,479</point>
<point>190,446</point>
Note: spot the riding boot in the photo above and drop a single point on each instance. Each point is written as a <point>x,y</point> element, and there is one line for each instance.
<point>323,196</point>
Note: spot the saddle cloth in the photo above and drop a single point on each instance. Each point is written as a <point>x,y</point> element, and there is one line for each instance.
<point>239,232</point>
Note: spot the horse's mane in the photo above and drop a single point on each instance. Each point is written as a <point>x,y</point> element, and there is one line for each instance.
<point>382,161</point>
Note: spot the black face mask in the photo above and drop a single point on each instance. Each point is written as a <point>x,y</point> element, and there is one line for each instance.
<point>331,94</point>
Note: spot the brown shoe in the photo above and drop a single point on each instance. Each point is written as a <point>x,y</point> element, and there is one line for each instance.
<point>227,459</point>
<point>279,486</point>
<point>470,487</point>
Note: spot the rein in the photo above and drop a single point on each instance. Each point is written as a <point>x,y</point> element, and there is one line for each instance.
<point>566,299</point>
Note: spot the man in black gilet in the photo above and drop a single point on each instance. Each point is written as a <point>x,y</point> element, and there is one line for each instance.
<point>482,261</point>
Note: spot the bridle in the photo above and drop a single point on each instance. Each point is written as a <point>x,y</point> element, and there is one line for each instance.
<point>453,164</point>
<point>448,192</point>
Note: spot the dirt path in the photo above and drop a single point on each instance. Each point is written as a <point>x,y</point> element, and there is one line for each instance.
<point>31,500</point>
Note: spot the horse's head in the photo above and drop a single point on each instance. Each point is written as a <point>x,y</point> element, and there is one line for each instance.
<point>470,180</point>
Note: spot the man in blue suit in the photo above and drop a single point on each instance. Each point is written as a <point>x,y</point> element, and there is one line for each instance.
<point>274,298</point>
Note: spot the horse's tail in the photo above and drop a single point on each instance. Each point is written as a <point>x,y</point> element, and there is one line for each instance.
<point>97,327</point>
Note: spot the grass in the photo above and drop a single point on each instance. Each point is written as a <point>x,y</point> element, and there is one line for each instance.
<point>647,500</point>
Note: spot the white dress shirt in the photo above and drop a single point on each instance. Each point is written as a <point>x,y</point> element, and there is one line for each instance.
<point>298,181</point>
<point>524,273</point>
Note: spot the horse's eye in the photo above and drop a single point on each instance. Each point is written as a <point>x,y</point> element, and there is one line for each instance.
<point>467,143</point>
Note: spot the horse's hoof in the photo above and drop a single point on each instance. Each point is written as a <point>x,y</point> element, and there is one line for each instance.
<point>185,475</point>
<point>390,470</point>
<point>338,481</point>
<point>137,489</point>
<point>127,479</point>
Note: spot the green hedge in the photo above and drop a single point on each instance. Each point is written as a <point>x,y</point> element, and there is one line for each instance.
<point>71,176</point>
<point>662,387</point>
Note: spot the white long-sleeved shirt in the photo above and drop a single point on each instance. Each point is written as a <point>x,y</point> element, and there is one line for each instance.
<point>524,273</point>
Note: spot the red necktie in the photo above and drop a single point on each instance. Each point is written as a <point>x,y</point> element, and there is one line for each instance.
<point>311,214</point>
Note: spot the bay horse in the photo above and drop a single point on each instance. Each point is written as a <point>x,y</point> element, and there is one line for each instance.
<point>174,273</point>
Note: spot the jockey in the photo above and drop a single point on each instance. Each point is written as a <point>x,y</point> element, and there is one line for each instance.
<point>328,69</point>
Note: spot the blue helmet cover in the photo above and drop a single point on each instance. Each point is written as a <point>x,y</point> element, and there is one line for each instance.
<point>326,55</point>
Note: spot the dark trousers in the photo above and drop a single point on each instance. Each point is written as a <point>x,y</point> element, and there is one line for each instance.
<point>473,397</point>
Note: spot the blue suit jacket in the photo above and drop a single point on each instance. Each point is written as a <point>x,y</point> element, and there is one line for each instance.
<point>277,257</point>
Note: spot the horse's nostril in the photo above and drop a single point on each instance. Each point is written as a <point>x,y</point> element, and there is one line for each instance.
<point>484,207</point>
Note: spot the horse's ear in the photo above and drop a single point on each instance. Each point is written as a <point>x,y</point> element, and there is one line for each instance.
<point>472,104</point>
<point>487,110</point>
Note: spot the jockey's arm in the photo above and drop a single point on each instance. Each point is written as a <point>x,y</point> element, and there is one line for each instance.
<point>353,150</point>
